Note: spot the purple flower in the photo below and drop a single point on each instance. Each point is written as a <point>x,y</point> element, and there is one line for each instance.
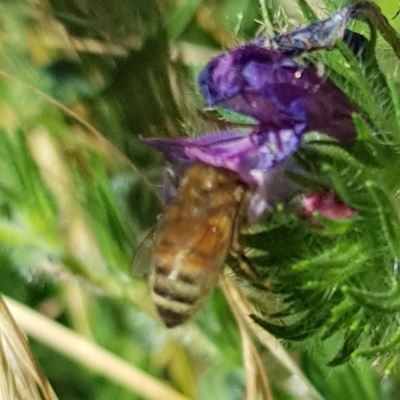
<point>248,154</point>
<point>276,91</point>
<point>284,98</point>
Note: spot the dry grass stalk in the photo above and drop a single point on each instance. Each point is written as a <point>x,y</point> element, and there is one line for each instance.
<point>241,305</point>
<point>89,354</point>
<point>20,377</point>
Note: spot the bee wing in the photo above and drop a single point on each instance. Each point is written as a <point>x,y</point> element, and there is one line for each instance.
<point>143,257</point>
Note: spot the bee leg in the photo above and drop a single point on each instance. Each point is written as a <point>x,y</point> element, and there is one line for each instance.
<point>247,269</point>
<point>237,250</point>
<point>244,263</point>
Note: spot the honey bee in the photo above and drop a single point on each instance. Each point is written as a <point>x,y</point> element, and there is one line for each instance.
<point>193,239</point>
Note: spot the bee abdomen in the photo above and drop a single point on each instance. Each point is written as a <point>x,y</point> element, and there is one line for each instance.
<point>176,296</point>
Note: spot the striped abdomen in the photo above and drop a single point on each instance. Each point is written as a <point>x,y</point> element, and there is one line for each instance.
<point>188,260</point>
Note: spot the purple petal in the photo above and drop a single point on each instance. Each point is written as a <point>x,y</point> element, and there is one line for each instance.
<point>270,87</point>
<point>274,188</point>
<point>250,155</point>
<point>224,82</point>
